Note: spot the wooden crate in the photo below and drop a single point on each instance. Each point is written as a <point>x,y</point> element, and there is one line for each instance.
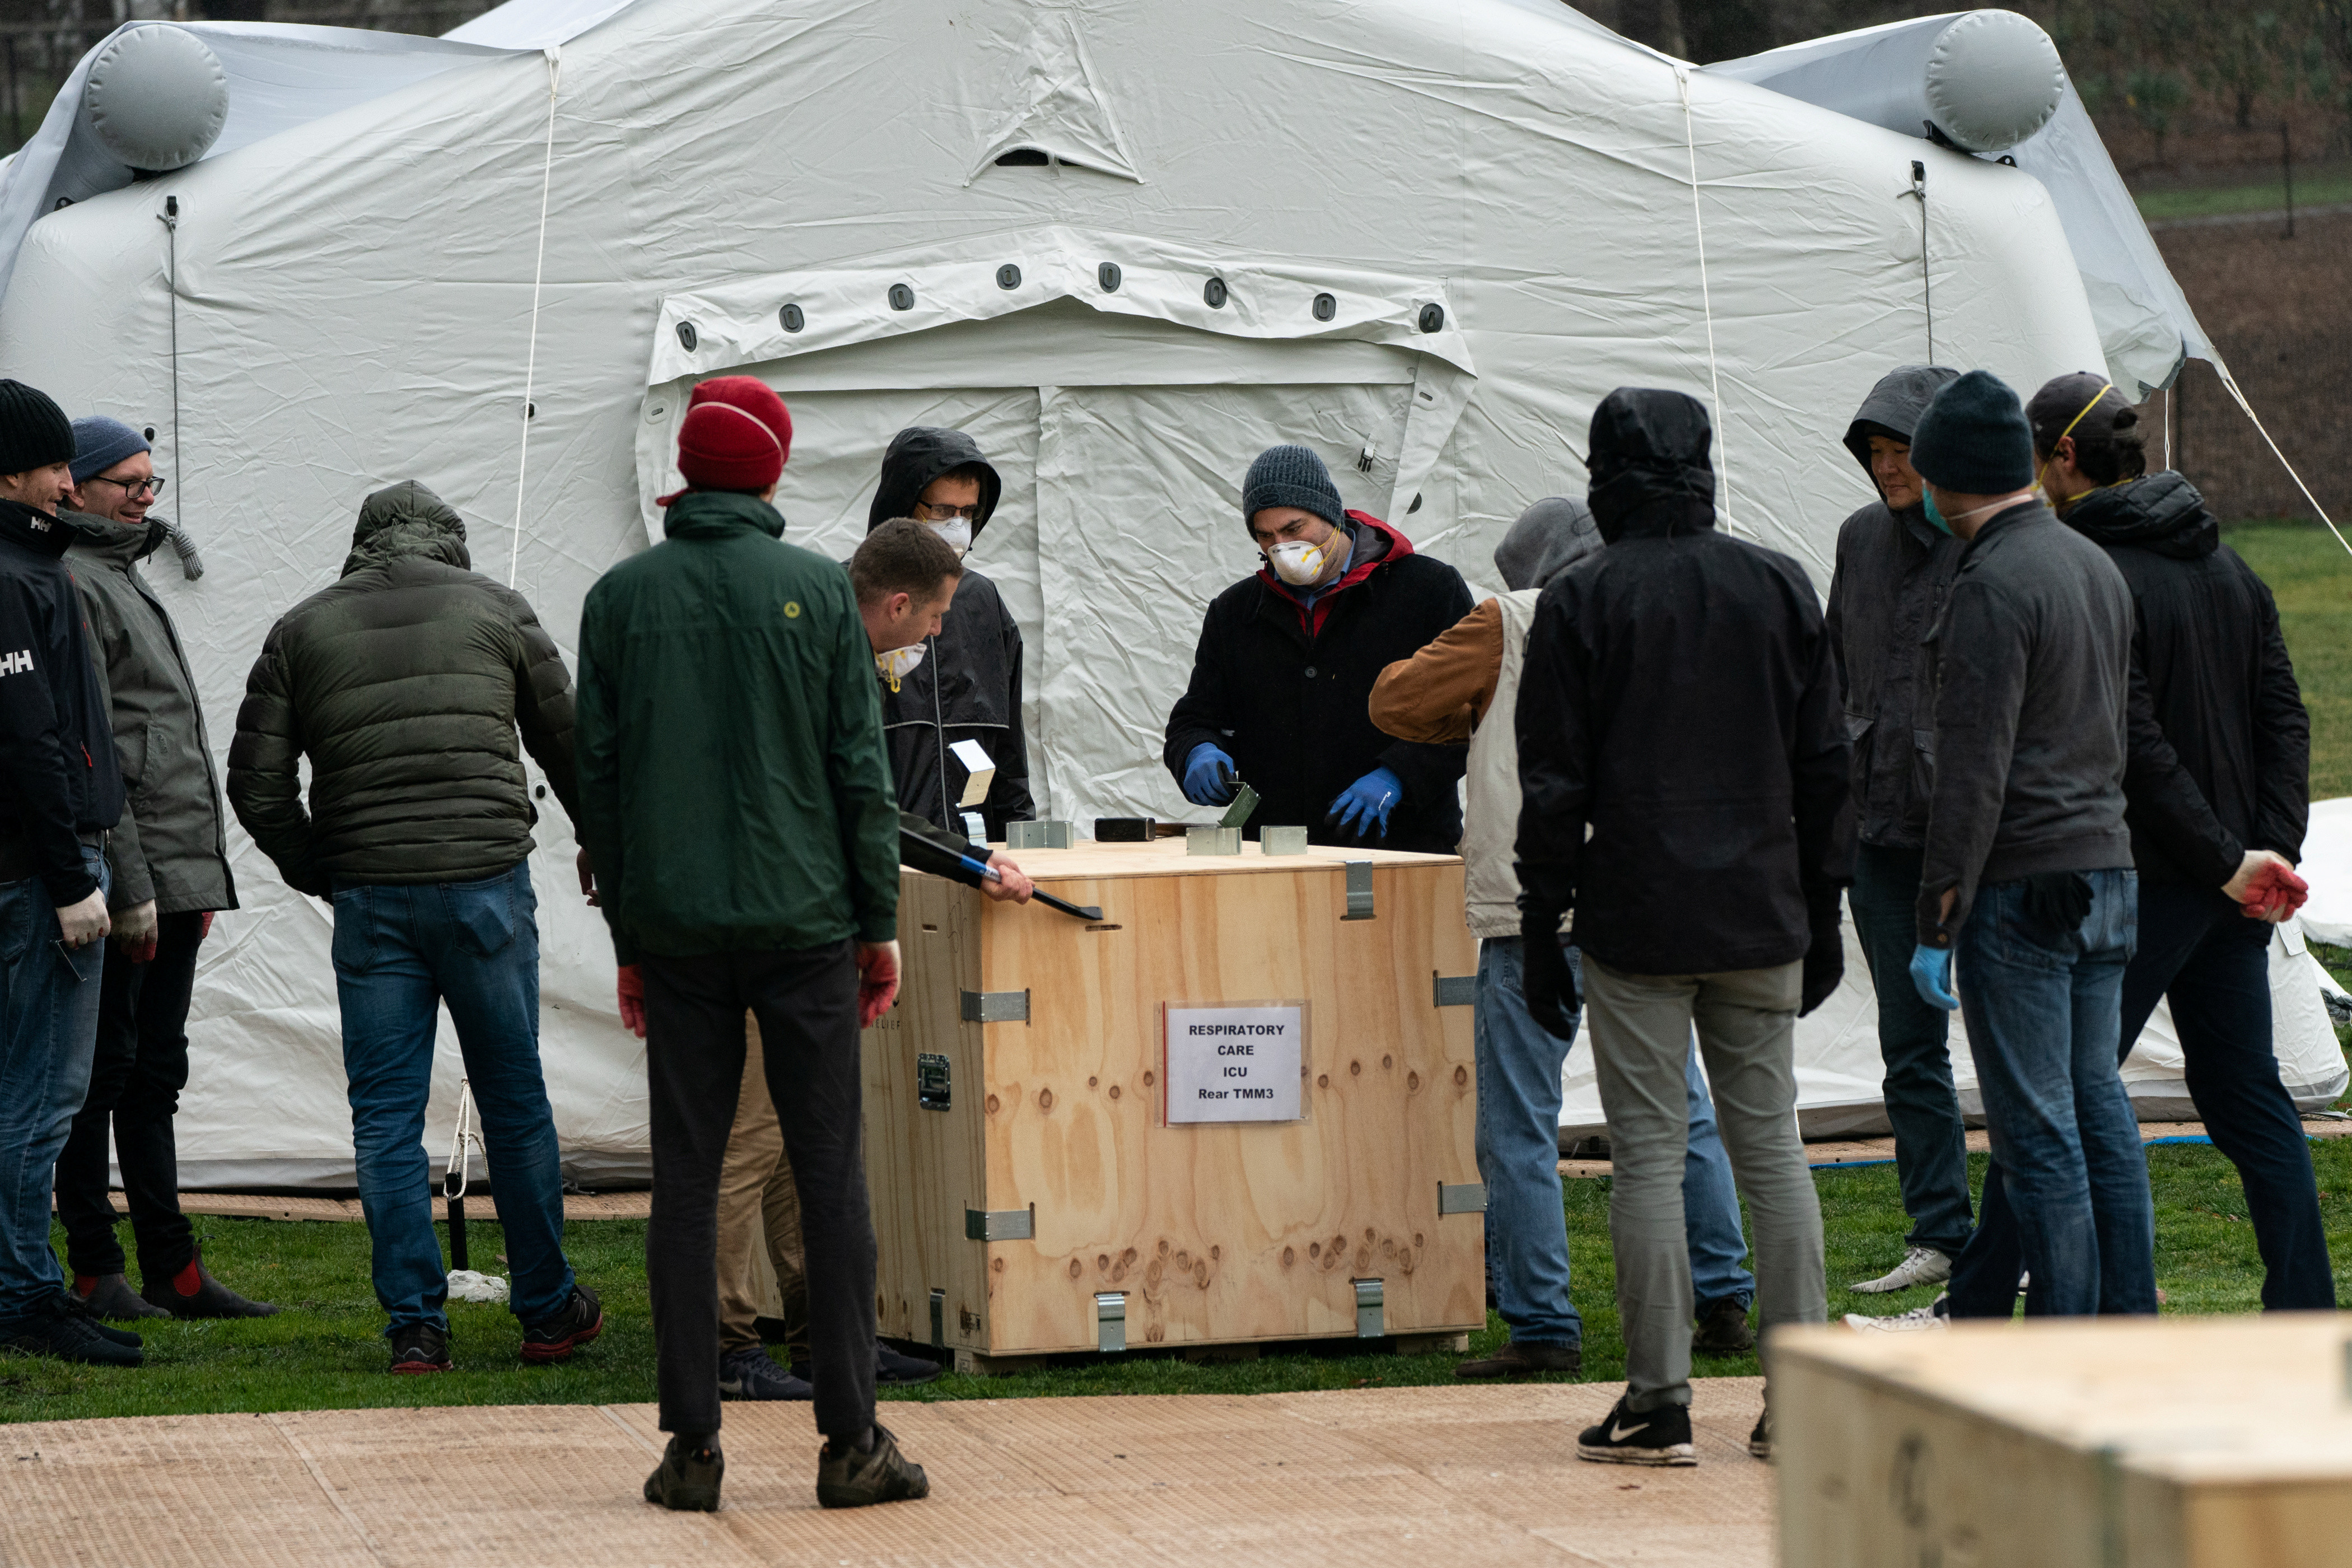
<point>1218,1234</point>
<point>2084,1443</point>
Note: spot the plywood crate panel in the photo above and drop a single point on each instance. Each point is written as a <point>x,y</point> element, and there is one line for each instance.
<point>1218,1232</point>
<point>2149,1443</point>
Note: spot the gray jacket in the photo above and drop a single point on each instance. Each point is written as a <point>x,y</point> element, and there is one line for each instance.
<point>170,845</point>
<point>2031,659</point>
<point>1894,569</point>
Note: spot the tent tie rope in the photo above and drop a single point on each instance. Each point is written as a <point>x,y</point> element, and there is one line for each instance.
<point>1706,300</point>
<point>554,53</point>
<point>2232,383</point>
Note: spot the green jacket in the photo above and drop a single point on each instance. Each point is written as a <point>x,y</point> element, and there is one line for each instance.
<point>405,684</point>
<point>734,792</point>
<point>172,843</point>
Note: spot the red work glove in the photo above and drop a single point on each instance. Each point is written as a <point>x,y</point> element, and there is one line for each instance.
<point>633,1000</point>
<point>877,980</point>
<point>2274,893</point>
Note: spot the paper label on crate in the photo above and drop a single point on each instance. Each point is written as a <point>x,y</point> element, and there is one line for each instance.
<point>1235,1064</point>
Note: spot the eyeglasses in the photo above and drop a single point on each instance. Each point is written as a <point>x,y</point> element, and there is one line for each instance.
<point>131,489</point>
<point>932,511</point>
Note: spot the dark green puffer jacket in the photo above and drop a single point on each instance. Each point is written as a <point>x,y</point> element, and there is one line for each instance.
<point>734,793</point>
<point>403,684</point>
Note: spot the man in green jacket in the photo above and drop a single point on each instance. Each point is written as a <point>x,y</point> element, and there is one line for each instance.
<point>169,856</point>
<point>736,805</point>
<point>404,683</point>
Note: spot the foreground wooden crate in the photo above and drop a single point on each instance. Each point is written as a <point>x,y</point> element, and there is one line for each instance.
<point>2183,1443</point>
<point>1030,1192</point>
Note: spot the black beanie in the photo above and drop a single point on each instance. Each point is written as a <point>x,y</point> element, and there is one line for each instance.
<point>1974,438</point>
<point>34,431</point>
<point>1291,476</point>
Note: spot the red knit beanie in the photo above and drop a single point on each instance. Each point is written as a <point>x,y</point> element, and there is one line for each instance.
<point>736,435</point>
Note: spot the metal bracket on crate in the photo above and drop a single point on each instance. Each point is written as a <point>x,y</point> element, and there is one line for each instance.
<point>1110,1321</point>
<point>996,1006</point>
<point>1464,1197</point>
<point>1001,1225</point>
<point>1452,990</point>
<point>1368,1310</point>
<point>1360,891</point>
<point>938,1319</point>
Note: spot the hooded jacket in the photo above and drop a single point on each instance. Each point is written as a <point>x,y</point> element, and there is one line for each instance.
<point>59,784</point>
<point>403,684</point>
<point>171,844</point>
<point>734,795</point>
<point>2032,660</point>
<point>1679,708</point>
<point>968,687</point>
<point>1284,690</point>
<point>2220,744</point>
<point>1894,569</point>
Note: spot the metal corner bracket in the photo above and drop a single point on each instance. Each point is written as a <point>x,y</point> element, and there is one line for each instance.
<point>1001,1225</point>
<point>996,1006</point>
<point>1360,891</point>
<point>1368,1297</point>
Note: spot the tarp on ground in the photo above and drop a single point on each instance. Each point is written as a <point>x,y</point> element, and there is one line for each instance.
<point>1439,234</point>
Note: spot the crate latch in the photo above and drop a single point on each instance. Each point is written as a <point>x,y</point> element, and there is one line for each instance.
<point>1368,1310</point>
<point>1000,1224</point>
<point>1110,1321</point>
<point>996,1006</point>
<point>1452,990</point>
<point>932,1081</point>
<point>938,1319</point>
<point>1360,890</point>
<point>1461,1198</point>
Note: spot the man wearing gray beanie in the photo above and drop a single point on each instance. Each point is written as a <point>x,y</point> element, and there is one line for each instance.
<point>2027,871</point>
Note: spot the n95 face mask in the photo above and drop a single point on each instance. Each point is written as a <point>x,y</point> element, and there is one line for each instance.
<point>899,663</point>
<point>1296,561</point>
<point>957,532</point>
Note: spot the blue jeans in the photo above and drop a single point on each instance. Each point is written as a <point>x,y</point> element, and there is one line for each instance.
<point>401,951</point>
<point>49,1035</point>
<point>1518,1159</point>
<point>2198,951</point>
<point>1931,1151</point>
<point>2067,1195</point>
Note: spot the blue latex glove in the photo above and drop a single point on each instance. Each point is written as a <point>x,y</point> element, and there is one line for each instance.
<point>1209,776</point>
<point>1363,808</point>
<point>1931,975</point>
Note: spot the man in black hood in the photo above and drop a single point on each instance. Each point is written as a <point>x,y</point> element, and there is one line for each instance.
<point>1684,780</point>
<point>2221,763</point>
<point>1893,568</point>
<point>967,686</point>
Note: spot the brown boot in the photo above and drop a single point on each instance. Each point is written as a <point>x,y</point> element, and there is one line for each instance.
<point>1722,1329</point>
<point>1525,1358</point>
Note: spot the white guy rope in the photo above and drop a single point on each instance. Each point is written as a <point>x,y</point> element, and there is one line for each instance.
<point>2232,383</point>
<point>538,273</point>
<point>1706,303</point>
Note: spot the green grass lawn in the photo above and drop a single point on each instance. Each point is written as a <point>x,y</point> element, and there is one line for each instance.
<point>2310,574</point>
<point>325,1351</point>
<point>2318,186</point>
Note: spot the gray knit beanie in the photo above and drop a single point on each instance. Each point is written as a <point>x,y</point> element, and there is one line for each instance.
<point>34,431</point>
<point>100,443</point>
<point>1291,476</point>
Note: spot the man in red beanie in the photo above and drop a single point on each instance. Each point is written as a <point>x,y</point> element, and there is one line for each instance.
<point>735,805</point>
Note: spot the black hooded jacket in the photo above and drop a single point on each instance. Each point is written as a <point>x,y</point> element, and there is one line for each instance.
<point>2221,745</point>
<point>1894,569</point>
<point>1679,703</point>
<point>968,687</point>
<point>60,782</point>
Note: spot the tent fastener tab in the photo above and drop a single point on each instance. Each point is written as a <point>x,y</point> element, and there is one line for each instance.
<point>1107,276</point>
<point>1008,277</point>
<point>1325,307</point>
<point>686,336</point>
<point>901,297</point>
<point>1432,318</point>
<point>792,317</point>
<point>1214,293</point>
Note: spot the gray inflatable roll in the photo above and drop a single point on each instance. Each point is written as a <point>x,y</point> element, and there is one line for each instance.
<point>156,97</point>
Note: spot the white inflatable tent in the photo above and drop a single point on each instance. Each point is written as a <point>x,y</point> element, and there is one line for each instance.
<point>1423,239</point>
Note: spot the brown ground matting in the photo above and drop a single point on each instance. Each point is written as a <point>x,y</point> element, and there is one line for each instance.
<point>1404,1478</point>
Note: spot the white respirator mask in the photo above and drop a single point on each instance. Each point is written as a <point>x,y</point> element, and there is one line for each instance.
<point>1298,563</point>
<point>899,663</point>
<point>957,532</point>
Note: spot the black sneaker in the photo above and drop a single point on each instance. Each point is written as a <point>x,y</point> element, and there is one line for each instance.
<point>1722,1329</point>
<point>688,1479</point>
<point>753,1373</point>
<point>111,1297</point>
<point>53,1329</point>
<point>846,1478</point>
<point>900,1371</point>
<point>1659,1436</point>
<point>555,1338</point>
<point>419,1348</point>
<point>1759,1442</point>
<point>80,1307</point>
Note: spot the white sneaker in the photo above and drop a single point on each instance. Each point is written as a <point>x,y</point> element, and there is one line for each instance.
<point>1920,1266</point>
<point>1917,1321</point>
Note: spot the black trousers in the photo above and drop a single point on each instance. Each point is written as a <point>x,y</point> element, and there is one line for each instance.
<point>135,1080</point>
<point>806,1003</point>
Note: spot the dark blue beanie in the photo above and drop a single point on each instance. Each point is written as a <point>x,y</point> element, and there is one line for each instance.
<point>1974,438</point>
<point>1291,476</point>
<point>100,443</point>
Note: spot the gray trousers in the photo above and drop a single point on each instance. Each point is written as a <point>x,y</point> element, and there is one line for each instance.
<point>1641,1027</point>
